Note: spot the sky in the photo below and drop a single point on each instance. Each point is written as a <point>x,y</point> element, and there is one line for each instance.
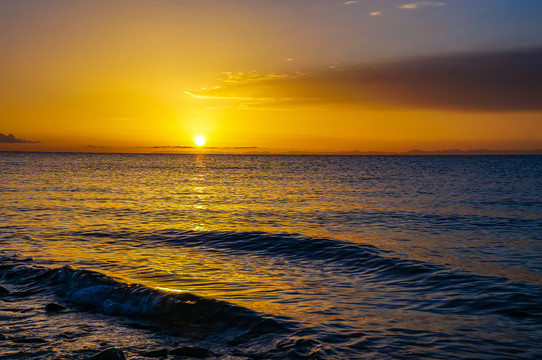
<point>275,76</point>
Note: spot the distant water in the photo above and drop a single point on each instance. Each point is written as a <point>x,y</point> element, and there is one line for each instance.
<point>271,257</point>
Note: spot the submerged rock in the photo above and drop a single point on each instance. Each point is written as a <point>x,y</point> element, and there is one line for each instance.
<point>52,307</point>
<point>109,354</point>
<point>192,351</point>
<point>156,353</point>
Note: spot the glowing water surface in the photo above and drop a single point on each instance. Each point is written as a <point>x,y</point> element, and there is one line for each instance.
<point>348,245</point>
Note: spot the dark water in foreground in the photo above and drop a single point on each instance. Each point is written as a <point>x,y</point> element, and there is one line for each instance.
<point>271,257</point>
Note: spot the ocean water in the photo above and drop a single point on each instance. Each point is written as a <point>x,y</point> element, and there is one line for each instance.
<point>271,257</point>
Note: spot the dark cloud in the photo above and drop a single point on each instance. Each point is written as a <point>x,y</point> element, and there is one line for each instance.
<point>233,147</point>
<point>205,147</point>
<point>12,139</point>
<point>498,81</point>
<point>171,147</point>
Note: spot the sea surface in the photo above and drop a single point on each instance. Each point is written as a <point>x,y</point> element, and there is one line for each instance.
<point>270,257</point>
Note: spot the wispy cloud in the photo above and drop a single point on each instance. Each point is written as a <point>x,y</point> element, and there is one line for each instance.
<point>350,2</point>
<point>242,77</point>
<point>497,81</point>
<point>239,80</point>
<point>419,4</point>
<point>241,102</point>
<point>12,139</point>
<point>376,13</point>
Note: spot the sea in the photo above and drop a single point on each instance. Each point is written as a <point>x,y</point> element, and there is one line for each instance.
<point>270,256</point>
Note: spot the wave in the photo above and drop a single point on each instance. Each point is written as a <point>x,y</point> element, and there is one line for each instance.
<point>93,291</point>
<point>395,285</point>
<point>345,255</point>
<point>439,289</point>
<point>465,292</point>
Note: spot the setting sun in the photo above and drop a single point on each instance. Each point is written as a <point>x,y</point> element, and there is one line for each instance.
<point>200,141</point>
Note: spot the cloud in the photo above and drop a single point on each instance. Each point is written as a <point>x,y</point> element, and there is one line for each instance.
<point>495,81</point>
<point>420,4</point>
<point>241,77</point>
<point>205,147</point>
<point>349,2</point>
<point>12,139</point>
<point>376,13</point>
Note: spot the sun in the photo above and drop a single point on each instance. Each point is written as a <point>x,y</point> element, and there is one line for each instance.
<point>199,140</point>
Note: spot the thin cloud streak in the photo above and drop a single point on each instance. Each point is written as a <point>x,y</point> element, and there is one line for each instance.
<point>420,4</point>
<point>202,147</point>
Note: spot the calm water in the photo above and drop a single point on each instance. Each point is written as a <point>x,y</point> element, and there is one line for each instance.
<point>256,257</point>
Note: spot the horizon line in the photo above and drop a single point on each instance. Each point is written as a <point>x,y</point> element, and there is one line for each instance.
<point>413,152</point>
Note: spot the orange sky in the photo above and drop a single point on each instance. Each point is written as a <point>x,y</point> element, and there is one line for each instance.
<point>277,76</point>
